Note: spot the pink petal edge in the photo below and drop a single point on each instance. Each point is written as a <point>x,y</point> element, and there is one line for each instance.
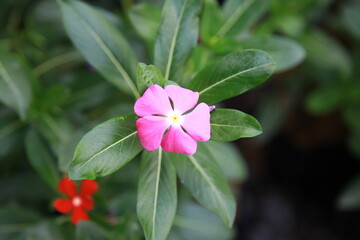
<point>197,122</point>
<point>182,98</point>
<point>177,141</point>
<point>154,101</point>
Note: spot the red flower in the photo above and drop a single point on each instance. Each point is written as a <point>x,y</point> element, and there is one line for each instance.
<point>77,203</point>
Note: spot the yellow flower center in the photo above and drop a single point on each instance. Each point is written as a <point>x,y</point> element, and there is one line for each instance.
<point>175,119</point>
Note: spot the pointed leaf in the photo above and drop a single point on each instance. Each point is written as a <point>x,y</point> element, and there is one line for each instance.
<point>229,125</point>
<point>206,182</point>
<point>148,76</point>
<point>101,44</point>
<point>41,159</point>
<point>15,89</point>
<point>178,35</point>
<point>232,75</point>
<point>105,149</point>
<point>157,196</point>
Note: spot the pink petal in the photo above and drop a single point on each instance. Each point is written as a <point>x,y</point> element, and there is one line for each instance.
<point>176,140</point>
<point>197,123</point>
<point>182,98</point>
<point>154,101</point>
<point>151,130</point>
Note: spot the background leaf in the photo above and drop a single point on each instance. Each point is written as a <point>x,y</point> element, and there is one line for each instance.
<point>101,44</point>
<point>178,35</point>
<point>105,149</point>
<point>286,52</point>
<point>86,230</point>
<point>41,159</point>
<point>232,75</point>
<point>157,196</point>
<point>194,222</point>
<point>228,158</point>
<point>229,125</point>
<point>206,182</point>
<point>15,89</point>
<point>240,14</point>
<point>145,18</point>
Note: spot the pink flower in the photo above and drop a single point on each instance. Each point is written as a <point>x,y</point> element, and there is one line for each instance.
<point>167,110</point>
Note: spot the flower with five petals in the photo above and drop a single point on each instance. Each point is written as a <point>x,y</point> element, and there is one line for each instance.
<point>166,119</point>
<point>78,202</point>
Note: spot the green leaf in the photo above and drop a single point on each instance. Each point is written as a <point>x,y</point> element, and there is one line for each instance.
<point>286,52</point>
<point>86,230</point>
<point>15,89</point>
<point>44,231</point>
<point>229,125</point>
<point>232,75</point>
<point>178,35</point>
<point>206,182</point>
<point>105,149</point>
<point>145,18</point>
<point>350,197</point>
<point>228,158</point>
<point>240,14</point>
<point>101,44</point>
<point>194,222</point>
<point>148,75</point>
<point>157,195</point>
<point>41,159</point>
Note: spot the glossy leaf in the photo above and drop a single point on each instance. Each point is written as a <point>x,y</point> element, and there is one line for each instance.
<point>101,44</point>
<point>230,124</point>
<point>240,14</point>
<point>204,179</point>
<point>148,76</point>
<point>286,52</point>
<point>178,35</point>
<point>106,148</point>
<point>41,159</point>
<point>157,195</point>
<point>232,75</point>
<point>228,158</point>
<point>15,89</point>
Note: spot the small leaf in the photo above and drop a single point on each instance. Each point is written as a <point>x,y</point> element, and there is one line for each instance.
<point>229,125</point>
<point>157,196</point>
<point>41,159</point>
<point>228,158</point>
<point>286,52</point>
<point>232,75</point>
<point>211,20</point>
<point>206,182</point>
<point>148,76</point>
<point>178,35</point>
<point>15,89</point>
<point>105,149</point>
<point>240,14</point>
<point>102,45</point>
